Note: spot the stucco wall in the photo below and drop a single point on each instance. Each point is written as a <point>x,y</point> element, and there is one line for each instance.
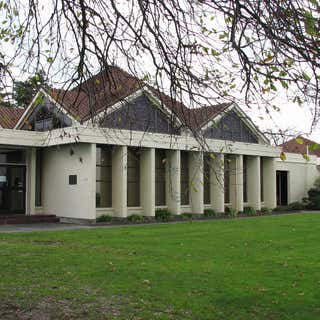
<point>301,175</point>
<point>60,198</point>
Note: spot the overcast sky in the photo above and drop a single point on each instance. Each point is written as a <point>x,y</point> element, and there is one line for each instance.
<point>290,116</point>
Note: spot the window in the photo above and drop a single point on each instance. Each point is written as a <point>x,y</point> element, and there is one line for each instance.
<point>12,156</point>
<point>184,179</point>
<point>133,190</point>
<point>231,127</point>
<point>160,177</point>
<point>261,179</point>
<point>45,119</point>
<point>140,115</point>
<point>245,179</point>
<point>227,179</point>
<point>104,177</point>
<point>73,179</point>
<point>206,179</point>
<point>38,178</point>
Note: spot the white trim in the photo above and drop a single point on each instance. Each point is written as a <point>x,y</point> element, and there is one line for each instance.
<point>216,118</point>
<point>27,109</point>
<point>161,207</point>
<point>13,137</point>
<point>161,106</point>
<point>31,107</point>
<point>107,110</point>
<point>298,158</point>
<point>81,134</point>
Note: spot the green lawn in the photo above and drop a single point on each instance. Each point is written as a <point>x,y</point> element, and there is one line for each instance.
<point>259,268</point>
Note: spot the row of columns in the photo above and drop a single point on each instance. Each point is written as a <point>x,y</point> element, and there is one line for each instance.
<point>173,192</point>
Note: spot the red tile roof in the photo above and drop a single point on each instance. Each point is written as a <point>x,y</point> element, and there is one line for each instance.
<point>9,116</point>
<point>292,146</point>
<point>193,118</point>
<point>97,93</point>
<point>114,85</point>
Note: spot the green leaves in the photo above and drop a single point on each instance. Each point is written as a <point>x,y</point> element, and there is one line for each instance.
<point>269,58</point>
<point>283,156</point>
<point>299,140</point>
<point>306,157</point>
<point>306,76</point>
<point>310,24</point>
<point>39,100</point>
<point>313,147</point>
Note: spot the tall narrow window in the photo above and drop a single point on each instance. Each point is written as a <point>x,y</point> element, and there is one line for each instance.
<point>206,179</point>
<point>160,177</point>
<point>261,179</point>
<point>38,178</point>
<point>227,179</point>
<point>245,179</point>
<point>133,190</point>
<point>104,177</point>
<point>184,179</point>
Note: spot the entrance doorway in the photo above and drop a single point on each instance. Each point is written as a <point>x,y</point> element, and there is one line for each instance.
<point>282,188</point>
<point>12,189</point>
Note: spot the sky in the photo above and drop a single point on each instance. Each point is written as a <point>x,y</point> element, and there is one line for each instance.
<point>291,116</point>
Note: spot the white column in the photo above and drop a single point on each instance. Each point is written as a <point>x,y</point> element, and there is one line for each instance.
<point>147,178</point>
<point>196,181</point>
<point>31,181</point>
<point>119,181</point>
<point>269,182</point>
<point>253,182</point>
<point>93,179</point>
<point>217,182</point>
<point>173,181</point>
<point>236,182</point>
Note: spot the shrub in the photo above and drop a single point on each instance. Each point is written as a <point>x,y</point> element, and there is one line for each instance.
<point>104,218</point>
<point>296,206</point>
<point>314,199</point>
<point>186,216</point>
<point>317,183</point>
<point>249,211</point>
<point>163,214</point>
<point>232,212</point>
<point>135,218</point>
<point>209,213</point>
<point>266,210</point>
<point>281,208</point>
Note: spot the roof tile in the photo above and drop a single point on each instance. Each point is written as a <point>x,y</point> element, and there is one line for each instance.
<point>114,85</point>
<point>9,116</point>
<point>292,146</point>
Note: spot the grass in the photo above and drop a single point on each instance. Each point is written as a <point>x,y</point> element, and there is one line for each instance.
<point>260,268</point>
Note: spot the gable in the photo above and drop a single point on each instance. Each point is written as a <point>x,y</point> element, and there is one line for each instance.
<point>231,127</point>
<point>140,115</point>
<point>46,116</point>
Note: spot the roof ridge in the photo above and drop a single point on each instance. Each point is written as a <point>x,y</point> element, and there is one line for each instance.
<point>118,86</point>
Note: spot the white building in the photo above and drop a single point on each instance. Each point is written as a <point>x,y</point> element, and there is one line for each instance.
<point>120,147</point>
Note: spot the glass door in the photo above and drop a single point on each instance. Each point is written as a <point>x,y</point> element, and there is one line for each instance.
<point>12,189</point>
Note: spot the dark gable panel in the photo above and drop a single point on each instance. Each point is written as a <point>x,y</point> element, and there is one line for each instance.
<point>46,116</point>
<point>140,115</point>
<point>231,127</point>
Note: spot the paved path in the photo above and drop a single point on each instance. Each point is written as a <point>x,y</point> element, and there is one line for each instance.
<point>67,226</point>
<point>40,227</point>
